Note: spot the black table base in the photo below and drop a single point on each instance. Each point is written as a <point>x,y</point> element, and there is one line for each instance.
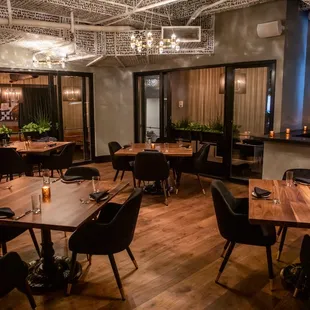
<point>51,272</point>
<point>40,281</point>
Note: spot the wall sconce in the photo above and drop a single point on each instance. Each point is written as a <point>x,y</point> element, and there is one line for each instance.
<point>72,94</point>
<point>240,83</point>
<point>10,95</point>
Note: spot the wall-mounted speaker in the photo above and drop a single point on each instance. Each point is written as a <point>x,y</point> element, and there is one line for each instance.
<point>268,30</point>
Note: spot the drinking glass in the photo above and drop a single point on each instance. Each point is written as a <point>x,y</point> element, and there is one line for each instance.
<point>46,177</point>
<point>275,195</point>
<point>166,147</point>
<point>130,146</point>
<point>4,143</point>
<point>180,142</point>
<point>289,178</point>
<point>36,203</point>
<point>96,183</point>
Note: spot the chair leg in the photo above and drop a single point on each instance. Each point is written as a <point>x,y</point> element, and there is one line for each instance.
<point>299,282</point>
<point>28,293</point>
<point>139,183</point>
<point>279,232</point>
<point>134,180</point>
<point>226,258</point>
<point>52,173</point>
<point>132,257</point>
<point>89,256</point>
<point>225,248</point>
<point>117,277</point>
<point>35,242</point>
<point>164,185</point>
<point>116,175</point>
<point>4,248</point>
<point>178,182</point>
<point>65,234</point>
<point>122,175</point>
<point>203,190</point>
<point>270,268</point>
<point>70,279</point>
<point>283,236</point>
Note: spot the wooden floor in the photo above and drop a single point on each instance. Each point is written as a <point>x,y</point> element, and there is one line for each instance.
<point>178,251</point>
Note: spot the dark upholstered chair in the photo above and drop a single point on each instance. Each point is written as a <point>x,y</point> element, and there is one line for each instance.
<point>194,165</point>
<point>13,273</point>
<point>111,233</point>
<point>152,166</point>
<point>299,173</point>
<point>9,233</point>
<point>60,161</point>
<point>305,264</point>
<point>86,172</point>
<point>235,227</point>
<point>11,163</point>
<point>119,163</point>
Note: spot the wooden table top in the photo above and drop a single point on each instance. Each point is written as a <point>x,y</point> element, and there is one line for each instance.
<point>292,211</point>
<point>64,212</point>
<point>174,150</point>
<point>37,147</point>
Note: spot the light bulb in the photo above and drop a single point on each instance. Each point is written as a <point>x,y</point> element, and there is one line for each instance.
<point>161,43</point>
<point>173,36</point>
<point>139,49</point>
<point>161,50</point>
<point>177,48</point>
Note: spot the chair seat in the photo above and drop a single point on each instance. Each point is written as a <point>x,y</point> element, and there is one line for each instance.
<point>260,235</point>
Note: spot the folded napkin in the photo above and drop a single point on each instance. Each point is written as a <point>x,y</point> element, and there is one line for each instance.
<point>150,150</point>
<point>303,180</point>
<point>98,196</point>
<point>71,179</point>
<point>6,212</point>
<point>261,193</point>
<point>126,146</point>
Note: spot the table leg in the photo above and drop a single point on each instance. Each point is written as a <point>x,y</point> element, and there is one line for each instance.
<point>50,272</point>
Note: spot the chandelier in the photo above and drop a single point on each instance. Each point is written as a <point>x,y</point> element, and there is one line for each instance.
<point>48,61</point>
<point>141,43</point>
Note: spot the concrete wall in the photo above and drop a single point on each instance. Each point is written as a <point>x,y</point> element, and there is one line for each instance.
<point>295,53</point>
<point>235,41</point>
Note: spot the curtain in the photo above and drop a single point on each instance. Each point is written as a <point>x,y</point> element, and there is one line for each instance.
<point>250,108</point>
<point>36,101</point>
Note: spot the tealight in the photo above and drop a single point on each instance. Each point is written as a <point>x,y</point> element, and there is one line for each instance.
<point>287,131</point>
<point>271,134</point>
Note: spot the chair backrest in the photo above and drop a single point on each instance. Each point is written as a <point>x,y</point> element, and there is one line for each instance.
<point>224,203</point>
<point>66,156</point>
<point>305,252</point>
<point>86,172</point>
<point>113,148</point>
<point>201,158</point>
<point>122,227</point>
<point>151,166</point>
<point>299,173</point>
<point>10,161</point>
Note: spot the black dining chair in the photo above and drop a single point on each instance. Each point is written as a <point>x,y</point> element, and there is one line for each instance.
<point>87,173</point>
<point>197,164</point>
<point>235,227</point>
<point>111,233</point>
<point>9,233</point>
<point>13,274</point>
<point>152,166</point>
<point>297,173</point>
<point>303,279</point>
<point>119,163</point>
<point>11,163</point>
<point>60,161</point>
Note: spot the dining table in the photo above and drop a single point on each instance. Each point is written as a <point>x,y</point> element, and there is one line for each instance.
<point>36,148</point>
<point>170,149</point>
<point>68,208</point>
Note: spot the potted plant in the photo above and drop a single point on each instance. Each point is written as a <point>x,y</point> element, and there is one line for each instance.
<point>5,133</point>
<point>31,130</point>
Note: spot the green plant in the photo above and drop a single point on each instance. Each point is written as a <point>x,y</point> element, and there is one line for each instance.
<point>31,127</point>
<point>42,120</point>
<point>5,130</point>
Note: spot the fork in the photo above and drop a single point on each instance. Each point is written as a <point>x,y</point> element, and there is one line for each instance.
<point>84,201</point>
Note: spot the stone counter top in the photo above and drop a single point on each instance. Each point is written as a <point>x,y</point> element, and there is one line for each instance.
<point>295,137</point>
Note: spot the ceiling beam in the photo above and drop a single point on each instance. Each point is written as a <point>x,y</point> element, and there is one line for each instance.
<point>137,10</point>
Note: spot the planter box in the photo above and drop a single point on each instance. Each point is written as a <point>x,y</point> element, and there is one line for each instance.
<point>34,135</point>
<point>212,136</point>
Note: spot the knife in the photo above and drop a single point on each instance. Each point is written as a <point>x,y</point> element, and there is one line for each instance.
<point>22,215</point>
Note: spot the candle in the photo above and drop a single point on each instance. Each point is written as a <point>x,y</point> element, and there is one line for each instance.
<point>305,128</point>
<point>287,131</point>
<point>271,134</point>
<point>152,146</point>
<point>46,193</point>
<point>287,136</point>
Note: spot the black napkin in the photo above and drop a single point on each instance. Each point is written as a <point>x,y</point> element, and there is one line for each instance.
<point>98,196</point>
<point>303,180</point>
<point>150,150</point>
<point>6,212</point>
<point>71,178</point>
<point>260,192</point>
<point>126,146</point>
